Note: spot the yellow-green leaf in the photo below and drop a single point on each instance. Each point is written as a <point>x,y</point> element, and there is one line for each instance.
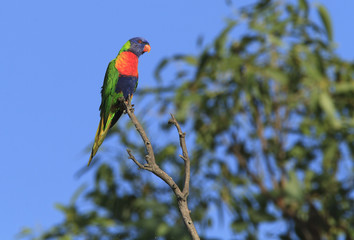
<point>327,105</point>
<point>326,20</point>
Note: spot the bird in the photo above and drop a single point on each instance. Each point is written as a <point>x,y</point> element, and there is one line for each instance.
<point>120,81</point>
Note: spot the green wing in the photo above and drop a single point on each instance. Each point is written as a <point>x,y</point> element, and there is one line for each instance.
<point>108,93</point>
<point>108,112</point>
<point>136,85</point>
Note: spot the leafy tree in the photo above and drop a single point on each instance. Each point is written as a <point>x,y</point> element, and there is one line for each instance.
<point>270,113</point>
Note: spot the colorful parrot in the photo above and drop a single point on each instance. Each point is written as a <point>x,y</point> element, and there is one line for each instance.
<point>120,81</point>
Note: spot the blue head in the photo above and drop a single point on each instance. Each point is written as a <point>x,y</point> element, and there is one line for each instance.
<point>139,46</point>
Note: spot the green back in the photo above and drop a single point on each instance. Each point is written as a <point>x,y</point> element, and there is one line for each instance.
<point>109,96</point>
<point>125,47</point>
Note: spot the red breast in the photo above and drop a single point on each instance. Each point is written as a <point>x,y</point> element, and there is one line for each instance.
<point>127,64</point>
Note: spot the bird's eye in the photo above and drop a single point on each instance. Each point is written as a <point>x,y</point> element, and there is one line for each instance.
<point>139,41</point>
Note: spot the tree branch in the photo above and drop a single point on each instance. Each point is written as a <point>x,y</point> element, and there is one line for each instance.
<point>185,157</point>
<point>131,156</point>
<point>155,169</point>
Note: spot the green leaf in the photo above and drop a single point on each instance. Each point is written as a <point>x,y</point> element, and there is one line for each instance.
<point>277,75</point>
<point>220,42</point>
<point>239,225</point>
<point>189,59</point>
<point>309,175</point>
<point>258,216</point>
<point>344,87</point>
<point>66,237</point>
<point>326,20</point>
<point>163,63</point>
<point>293,187</point>
<point>77,193</point>
<point>304,5</point>
<point>162,229</point>
<point>328,107</point>
<point>61,207</point>
<point>25,232</point>
<point>330,158</point>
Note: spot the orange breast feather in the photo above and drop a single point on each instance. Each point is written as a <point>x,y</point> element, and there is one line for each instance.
<point>127,64</point>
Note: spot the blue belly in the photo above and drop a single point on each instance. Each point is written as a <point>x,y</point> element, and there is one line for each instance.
<point>126,85</point>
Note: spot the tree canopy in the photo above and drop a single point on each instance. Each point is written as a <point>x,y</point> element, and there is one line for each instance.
<point>269,109</point>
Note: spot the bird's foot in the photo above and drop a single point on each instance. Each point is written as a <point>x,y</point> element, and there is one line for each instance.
<point>130,107</point>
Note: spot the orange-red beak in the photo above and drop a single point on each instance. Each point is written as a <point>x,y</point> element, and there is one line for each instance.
<point>147,48</point>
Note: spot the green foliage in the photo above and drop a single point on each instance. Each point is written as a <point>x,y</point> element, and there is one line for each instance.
<point>269,118</point>
<point>325,18</point>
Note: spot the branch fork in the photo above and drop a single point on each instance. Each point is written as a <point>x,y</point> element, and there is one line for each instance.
<point>151,166</point>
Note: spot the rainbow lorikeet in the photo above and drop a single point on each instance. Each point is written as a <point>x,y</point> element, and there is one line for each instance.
<point>120,82</point>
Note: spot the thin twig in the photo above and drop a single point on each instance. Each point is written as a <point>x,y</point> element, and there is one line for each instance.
<point>185,157</point>
<point>155,169</point>
<point>151,156</point>
<point>131,156</point>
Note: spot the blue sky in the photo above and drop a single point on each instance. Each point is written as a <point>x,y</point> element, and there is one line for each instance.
<point>53,55</point>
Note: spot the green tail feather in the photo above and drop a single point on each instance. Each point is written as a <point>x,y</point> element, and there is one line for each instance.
<point>100,135</point>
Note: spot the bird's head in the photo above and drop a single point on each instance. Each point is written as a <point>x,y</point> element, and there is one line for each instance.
<point>138,46</point>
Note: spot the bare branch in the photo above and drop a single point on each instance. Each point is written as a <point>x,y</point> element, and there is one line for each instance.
<point>151,159</point>
<point>155,169</point>
<point>185,157</point>
<point>131,156</point>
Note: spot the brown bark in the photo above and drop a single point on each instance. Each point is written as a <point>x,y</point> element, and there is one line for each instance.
<point>151,166</point>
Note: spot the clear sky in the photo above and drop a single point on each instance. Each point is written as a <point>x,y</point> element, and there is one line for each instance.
<point>53,55</point>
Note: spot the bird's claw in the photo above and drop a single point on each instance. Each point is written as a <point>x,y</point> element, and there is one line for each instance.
<point>131,107</point>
